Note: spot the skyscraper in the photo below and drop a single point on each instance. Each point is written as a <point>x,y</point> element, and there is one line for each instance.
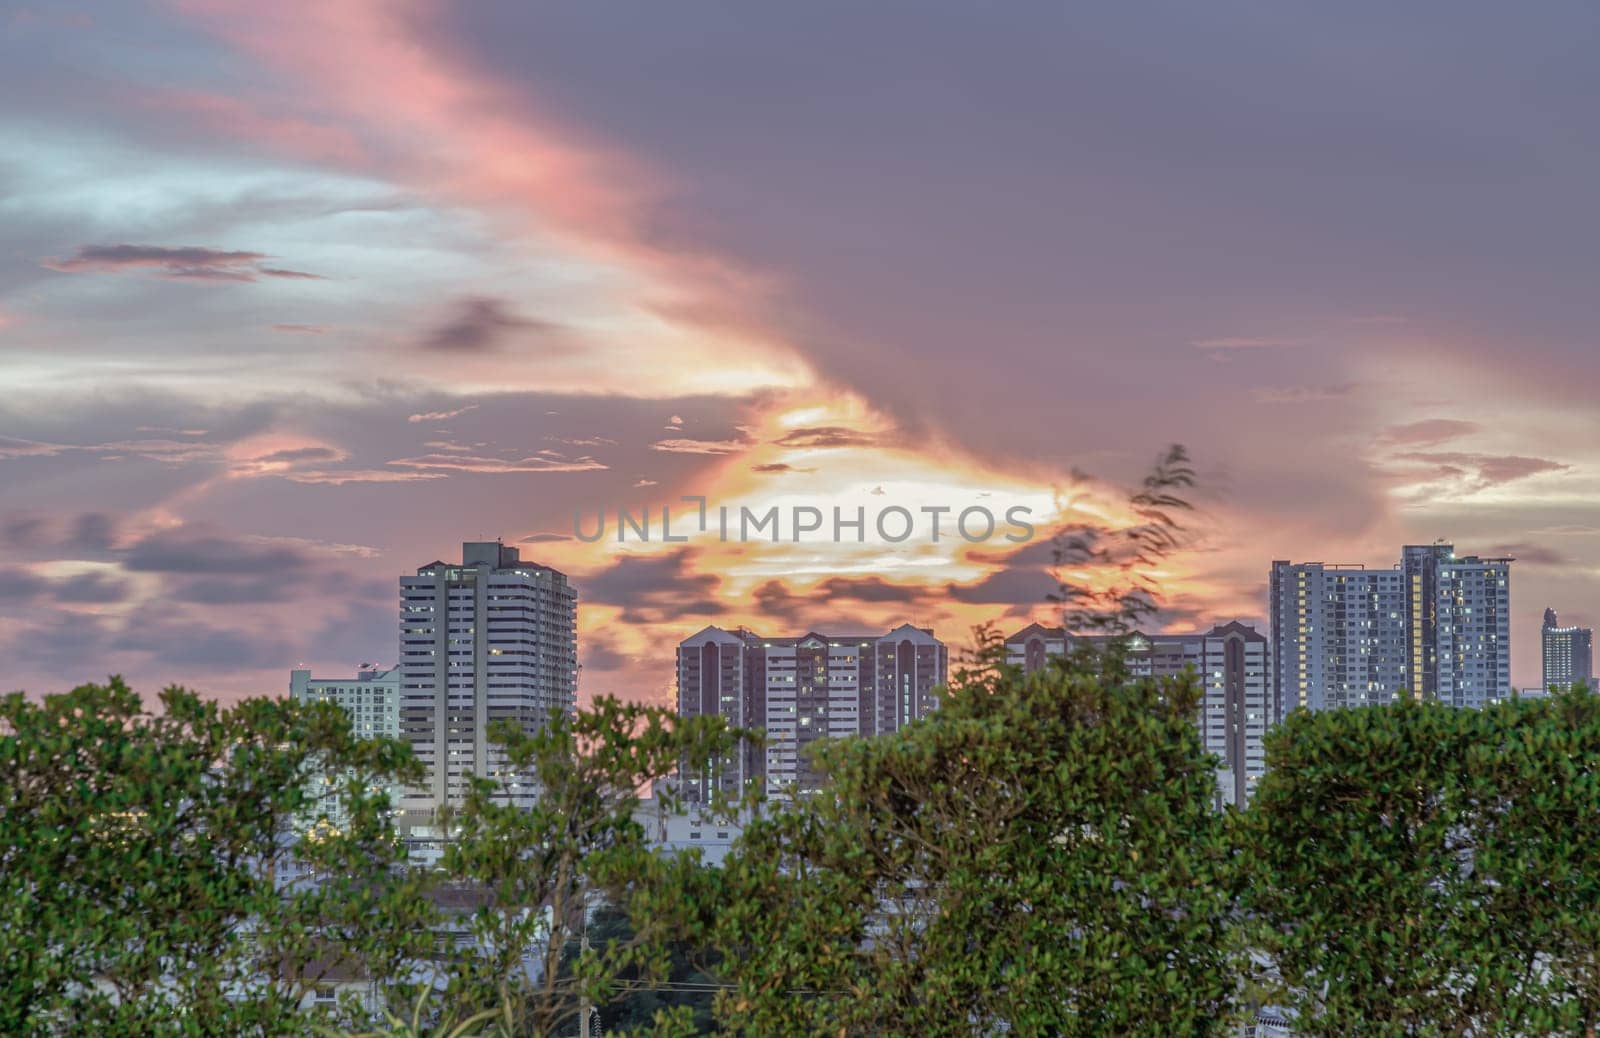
<point>1437,626</point>
<point>1568,654</point>
<point>1233,663</point>
<point>492,638</point>
<point>799,690</point>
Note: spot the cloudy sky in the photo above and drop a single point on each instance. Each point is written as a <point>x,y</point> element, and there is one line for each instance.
<point>295,297</point>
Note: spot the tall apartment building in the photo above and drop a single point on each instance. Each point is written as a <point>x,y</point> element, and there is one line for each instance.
<point>1435,626</point>
<point>1233,663</point>
<point>372,699</point>
<point>799,690</point>
<point>488,639</point>
<point>1568,654</point>
<point>1338,634</point>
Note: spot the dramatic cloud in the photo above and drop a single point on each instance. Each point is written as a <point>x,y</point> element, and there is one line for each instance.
<point>656,588</point>
<point>184,262</point>
<point>826,436</point>
<point>594,254</point>
<point>480,324</point>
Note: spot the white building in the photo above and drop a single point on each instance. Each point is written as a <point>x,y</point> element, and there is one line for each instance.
<point>800,690</point>
<point>372,699</point>
<point>488,639</point>
<point>1233,663</point>
<point>690,828</point>
<point>1436,626</point>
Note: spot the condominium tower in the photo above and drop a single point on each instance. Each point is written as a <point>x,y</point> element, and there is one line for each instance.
<point>1232,662</point>
<point>802,689</point>
<point>1568,654</point>
<point>372,700</point>
<point>1436,626</point>
<point>487,639</point>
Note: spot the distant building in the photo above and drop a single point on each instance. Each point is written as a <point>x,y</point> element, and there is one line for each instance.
<point>799,690</point>
<point>492,638</point>
<point>372,699</point>
<point>1232,662</point>
<point>1568,654</point>
<point>1437,626</point>
<point>692,829</point>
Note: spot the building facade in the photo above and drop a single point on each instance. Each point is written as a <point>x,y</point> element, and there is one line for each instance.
<point>1568,654</point>
<point>1338,634</point>
<point>802,689</point>
<point>1436,626</point>
<point>372,699</point>
<point>492,638</point>
<point>1233,662</point>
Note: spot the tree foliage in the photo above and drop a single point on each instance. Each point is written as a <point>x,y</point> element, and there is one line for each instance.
<point>548,867</point>
<point>146,863</point>
<point>1040,855</point>
<point>1422,870</point>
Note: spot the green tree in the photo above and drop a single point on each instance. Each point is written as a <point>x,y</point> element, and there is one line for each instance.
<point>1531,780</point>
<point>1424,870</point>
<point>143,857</point>
<point>580,846</point>
<point>1041,854</point>
<point>686,982</point>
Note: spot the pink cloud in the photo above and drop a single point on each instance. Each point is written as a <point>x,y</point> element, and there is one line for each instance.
<point>180,262</point>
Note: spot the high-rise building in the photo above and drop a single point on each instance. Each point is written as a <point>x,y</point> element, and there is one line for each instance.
<point>1568,654</point>
<point>1233,663</point>
<point>372,699</point>
<point>799,690</point>
<point>723,673</point>
<point>1436,626</point>
<point>493,638</point>
<point>1339,635</point>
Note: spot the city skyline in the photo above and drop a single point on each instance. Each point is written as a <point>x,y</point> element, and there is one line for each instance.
<point>296,295</point>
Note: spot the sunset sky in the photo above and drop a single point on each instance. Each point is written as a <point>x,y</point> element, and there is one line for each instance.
<point>297,296</point>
